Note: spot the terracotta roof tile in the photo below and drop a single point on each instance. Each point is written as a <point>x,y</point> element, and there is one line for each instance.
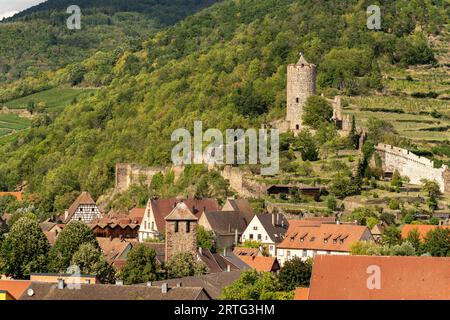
<point>260,263</point>
<point>327,237</point>
<point>422,228</point>
<point>337,277</point>
<point>14,287</point>
<point>301,293</point>
<point>17,195</point>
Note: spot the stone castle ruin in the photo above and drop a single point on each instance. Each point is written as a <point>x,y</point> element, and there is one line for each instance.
<point>128,174</point>
<point>412,166</point>
<point>300,85</point>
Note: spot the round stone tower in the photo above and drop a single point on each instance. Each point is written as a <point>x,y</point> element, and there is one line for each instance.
<point>301,83</point>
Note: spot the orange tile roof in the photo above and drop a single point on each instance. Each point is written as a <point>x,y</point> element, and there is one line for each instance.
<point>17,195</point>
<point>422,228</point>
<point>260,263</point>
<point>339,277</point>
<point>14,287</point>
<point>327,237</point>
<point>301,293</point>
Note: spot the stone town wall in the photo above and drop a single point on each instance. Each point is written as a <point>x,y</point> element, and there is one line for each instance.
<point>412,166</point>
<point>243,186</point>
<point>128,174</point>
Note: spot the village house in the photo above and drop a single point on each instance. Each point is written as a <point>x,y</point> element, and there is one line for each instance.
<point>83,209</point>
<point>153,223</point>
<point>51,230</point>
<point>324,239</point>
<point>227,227</point>
<point>261,263</point>
<point>115,250</point>
<point>379,278</point>
<point>269,229</point>
<point>422,229</point>
<point>72,279</point>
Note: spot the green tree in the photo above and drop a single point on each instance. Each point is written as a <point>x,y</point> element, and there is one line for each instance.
<point>74,234</point>
<point>24,250</point>
<point>306,144</point>
<point>142,266</point>
<point>295,273</point>
<point>205,238</point>
<point>391,236</point>
<point>331,202</point>
<point>90,260</point>
<point>437,242</point>
<point>184,264</point>
<point>254,286</point>
<point>396,180</point>
<point>317,112</point>
<point>353,135</point>
<point>414,239</point>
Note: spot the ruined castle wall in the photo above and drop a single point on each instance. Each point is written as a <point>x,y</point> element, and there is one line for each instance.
<point>128,174</point>
<point>243,186</point>
<point>412,166</point>
<point>301,83</point>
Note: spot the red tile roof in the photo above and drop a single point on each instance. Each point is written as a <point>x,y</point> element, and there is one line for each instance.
<point>17,195</point>
<point>422,228</point>
<point>260,263</point>
<point>337,277</point>
<point>14,287</point>
<point>301,293</point>
<point>326,237</point>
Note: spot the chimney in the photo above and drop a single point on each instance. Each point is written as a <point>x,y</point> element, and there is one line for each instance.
<point>224,252</point>
<point>60,284</point>
<point>228,268</point>
<point>119,282</point>
<point>236,237</point>
<point>164,287</point>
<point>273,219</point>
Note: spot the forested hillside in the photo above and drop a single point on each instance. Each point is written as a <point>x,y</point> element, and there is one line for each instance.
<point>226,66</point>
<point>37,39</point>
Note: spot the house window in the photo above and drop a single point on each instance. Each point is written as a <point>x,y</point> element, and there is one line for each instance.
<point>281,252</point>
<point>288,253</point>
<point>297,127</point>
<point>259,237</point>
<point>251,236</point>
<point>266,237</point>
<point>93,209</point>
<point>271,248</point>
<point>255,228</point>
<point>153,225</point>
<point>176,226</point>
<point>188,227</point>
<point>304,253</point>
<point>297,100</point>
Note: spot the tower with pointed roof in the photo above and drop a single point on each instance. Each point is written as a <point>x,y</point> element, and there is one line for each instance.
<point>181,231</point>
<point>301,83</point>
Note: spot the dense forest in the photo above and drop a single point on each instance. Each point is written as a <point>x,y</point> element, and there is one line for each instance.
<point>37,39</point>
<point>225,65</point>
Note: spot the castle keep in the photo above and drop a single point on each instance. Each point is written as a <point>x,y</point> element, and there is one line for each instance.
<point>412,166</point>
<point>301,83</point>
